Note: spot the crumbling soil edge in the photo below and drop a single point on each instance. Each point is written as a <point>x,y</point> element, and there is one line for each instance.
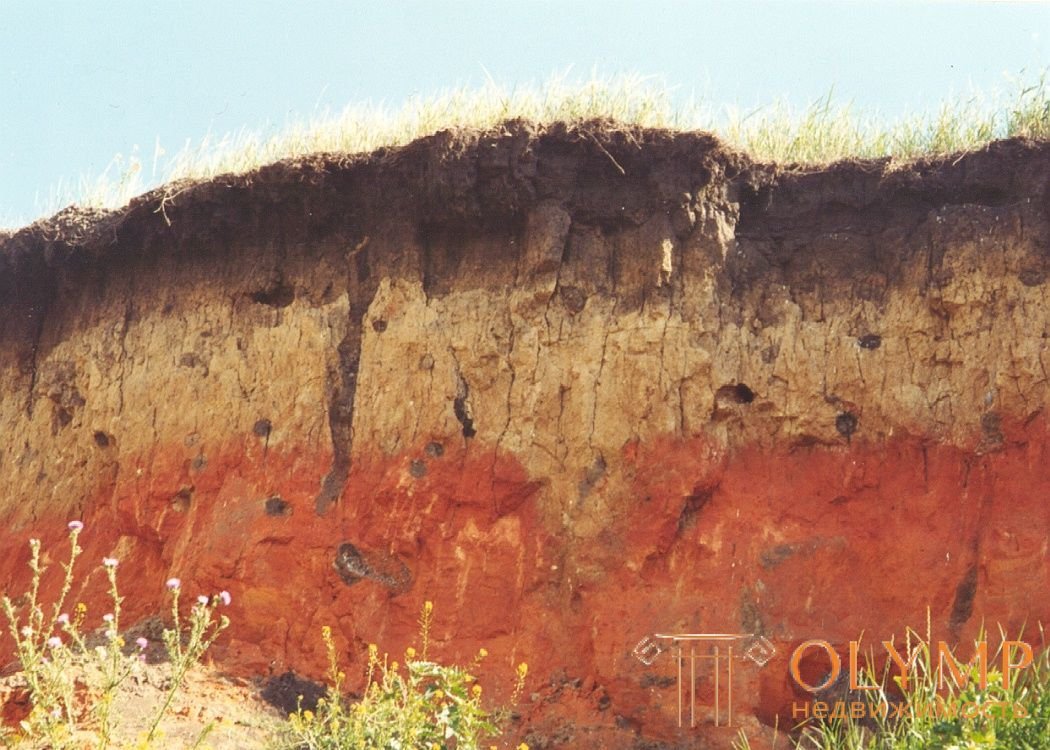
<point>489,178</point>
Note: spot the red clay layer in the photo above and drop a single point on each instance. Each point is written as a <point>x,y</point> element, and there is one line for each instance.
<point>815,542</point>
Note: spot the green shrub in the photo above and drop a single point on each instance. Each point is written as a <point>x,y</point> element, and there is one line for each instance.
<point>420,705</point>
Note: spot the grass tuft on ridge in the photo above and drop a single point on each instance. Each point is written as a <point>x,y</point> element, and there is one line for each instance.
<point>821,133</point>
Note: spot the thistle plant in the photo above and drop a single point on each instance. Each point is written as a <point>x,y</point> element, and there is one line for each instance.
<point>40,650</point>
<point>61,659</point>
<point>203,630</point>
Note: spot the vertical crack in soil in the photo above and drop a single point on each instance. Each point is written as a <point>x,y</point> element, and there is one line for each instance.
<point>362,288</point>
<point>962,605</point>
<point>592,476</point>
<point>461,406</point>
<point>341,418</point>
<point>39,314</point>
<point>751,620</point>
<point>691,506</point>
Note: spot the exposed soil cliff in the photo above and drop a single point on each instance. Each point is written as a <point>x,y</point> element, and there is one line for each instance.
<point>576,387</point>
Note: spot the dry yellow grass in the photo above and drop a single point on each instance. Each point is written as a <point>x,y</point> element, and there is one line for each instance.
<point>823,132</point>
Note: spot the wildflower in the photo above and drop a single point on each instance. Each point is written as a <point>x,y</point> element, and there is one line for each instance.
<point>173,584</point>
<point>107,617</point>
<point>63,620</point>
<point>428,606</point>
<point>141,643</point>
<point>27,631</point>
<point>110,562</point>
<point>439,694</point>
<point>410,653</point>
<point>476,690</point>
<point>523,746</point>
<point>111,634</point>
<point>523,669</point>
<point>202,600</point>
<point>54,641</point>
<point>225,598</point>
<point>482,653</point>
<point>75,526</point>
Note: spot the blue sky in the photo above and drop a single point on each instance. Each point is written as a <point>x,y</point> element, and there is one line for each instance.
<point>81,81</point>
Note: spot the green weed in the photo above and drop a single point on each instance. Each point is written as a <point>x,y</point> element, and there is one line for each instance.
<point>422,704</point>
<point>73,676</point>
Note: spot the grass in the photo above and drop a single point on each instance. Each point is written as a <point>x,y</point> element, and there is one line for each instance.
<point>424,704</point>
<point>939,715</point>
<point>73,677</point>
<point>823,132</point>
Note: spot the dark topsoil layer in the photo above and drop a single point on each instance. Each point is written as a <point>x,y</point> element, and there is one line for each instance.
<point>609,176</point>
